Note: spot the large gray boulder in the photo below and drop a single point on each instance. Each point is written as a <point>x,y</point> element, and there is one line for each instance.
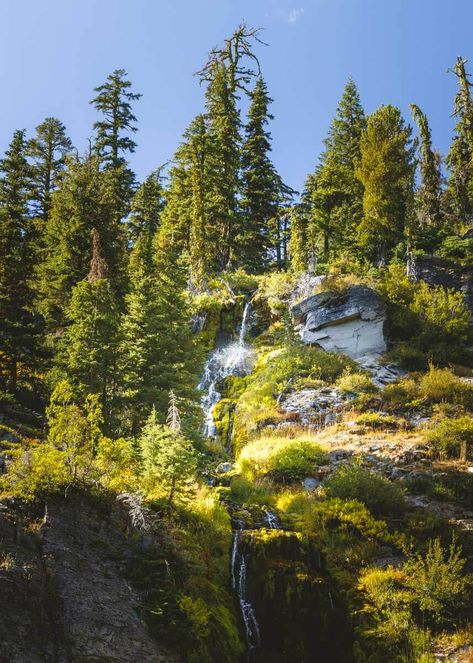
<point>351,322</point>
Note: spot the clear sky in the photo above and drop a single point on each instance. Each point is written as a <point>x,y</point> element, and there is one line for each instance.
<point>54,52</point>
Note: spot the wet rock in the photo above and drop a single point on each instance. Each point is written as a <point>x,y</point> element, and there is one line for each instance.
<point>66,596</point>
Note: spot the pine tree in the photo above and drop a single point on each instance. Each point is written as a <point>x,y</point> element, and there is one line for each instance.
<point>88,351</point>
<point>156,351</point>
<point>147,206</point>
<point>85,200</point>
<point>224,129</point>
<point>48,151</point>
<point>112,136</point>
<point>428,195</point>
<point>199,231</point>
<point>299,245</point>
<point>113,101</point>
<point>168,457</point>
<point>460,156</point>
<point>19,326</point>
<point>263,191</point>
<point>333,194</point>
<point>386,170</point>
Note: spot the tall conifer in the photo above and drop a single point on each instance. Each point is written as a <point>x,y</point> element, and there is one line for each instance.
<point>333,194</point>
<point>48,150</point>
<point>263,191</point>
<point>19,327</point>
<point>386,170</point>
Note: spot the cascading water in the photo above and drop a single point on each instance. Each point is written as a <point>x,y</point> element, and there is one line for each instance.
<point>232,359</point>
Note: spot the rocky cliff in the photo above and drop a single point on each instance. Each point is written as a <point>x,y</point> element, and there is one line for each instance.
<point>64,588</point>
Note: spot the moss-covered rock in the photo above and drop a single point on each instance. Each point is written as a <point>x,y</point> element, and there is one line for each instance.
<point>297,608</point>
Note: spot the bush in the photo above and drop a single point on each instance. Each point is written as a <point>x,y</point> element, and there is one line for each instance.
<point>353,482</point>
<point>355,383</point>
<point>441,384</point>
<point>452,437</point>
<point>437,582</point>
<point>280,459</point>
<point>401,393</point>
<point>433,320</point>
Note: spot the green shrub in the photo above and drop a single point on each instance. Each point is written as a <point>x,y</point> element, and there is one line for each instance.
<point>353,482</point>
<point>452,437</point>
<point>355,383</point>
<point>438,583</point>
<point>408,357</point>
<point>401,393</point>
<point>280,459</point>
<point>377,421</point>
<point>442,385</point>
<point>433,321</point>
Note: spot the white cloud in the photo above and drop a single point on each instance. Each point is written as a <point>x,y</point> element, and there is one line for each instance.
<point>294,15</point>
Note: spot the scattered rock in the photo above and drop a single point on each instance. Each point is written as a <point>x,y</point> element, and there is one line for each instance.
<point>223,468</point>
<point>310,483</point>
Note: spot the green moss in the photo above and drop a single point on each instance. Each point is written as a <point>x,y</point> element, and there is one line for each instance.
<point>222,416</point>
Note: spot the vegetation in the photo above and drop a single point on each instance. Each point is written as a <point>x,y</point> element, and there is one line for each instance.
<point>113,292</point>
<point>353,482</point>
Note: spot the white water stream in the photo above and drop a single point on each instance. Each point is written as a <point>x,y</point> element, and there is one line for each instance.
<point>233,359</point>
<point>236,358</point>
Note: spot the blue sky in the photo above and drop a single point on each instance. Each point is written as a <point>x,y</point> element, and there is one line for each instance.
<point>54,52</point>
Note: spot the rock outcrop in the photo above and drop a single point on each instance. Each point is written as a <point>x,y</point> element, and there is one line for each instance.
<point>65,593</point>
<point>351,322</point>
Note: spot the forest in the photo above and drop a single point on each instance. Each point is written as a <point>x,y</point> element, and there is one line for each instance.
<point>268,498</point>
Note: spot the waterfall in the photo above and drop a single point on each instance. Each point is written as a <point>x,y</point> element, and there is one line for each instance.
<point>272,520</point>
<point>253,638</point>
<point>236,358</point>
<point>232,359</point>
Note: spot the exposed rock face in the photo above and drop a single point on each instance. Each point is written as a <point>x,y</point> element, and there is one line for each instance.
<point>449,274</point>
<point>351,322</point>
<point>65,595</point>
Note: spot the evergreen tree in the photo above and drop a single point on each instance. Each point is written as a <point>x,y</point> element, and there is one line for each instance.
<point>112,136</point>
<point>48,151</point>
<point>156,351</point>
<point>430,172</point>
<point>19,326</point>
<point>299,245</point>
<point>333,194</point>
<point>460,157</point>
<point>85,200</point>
<point>428,195</point>
<point>224,130</point>
<point>199,231</point>
<point>386,170</point>
<point>88,351</point>
<point>147,206</point>
<point>113,101</point>
<point>169,459</point>
<point>263,191</point>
